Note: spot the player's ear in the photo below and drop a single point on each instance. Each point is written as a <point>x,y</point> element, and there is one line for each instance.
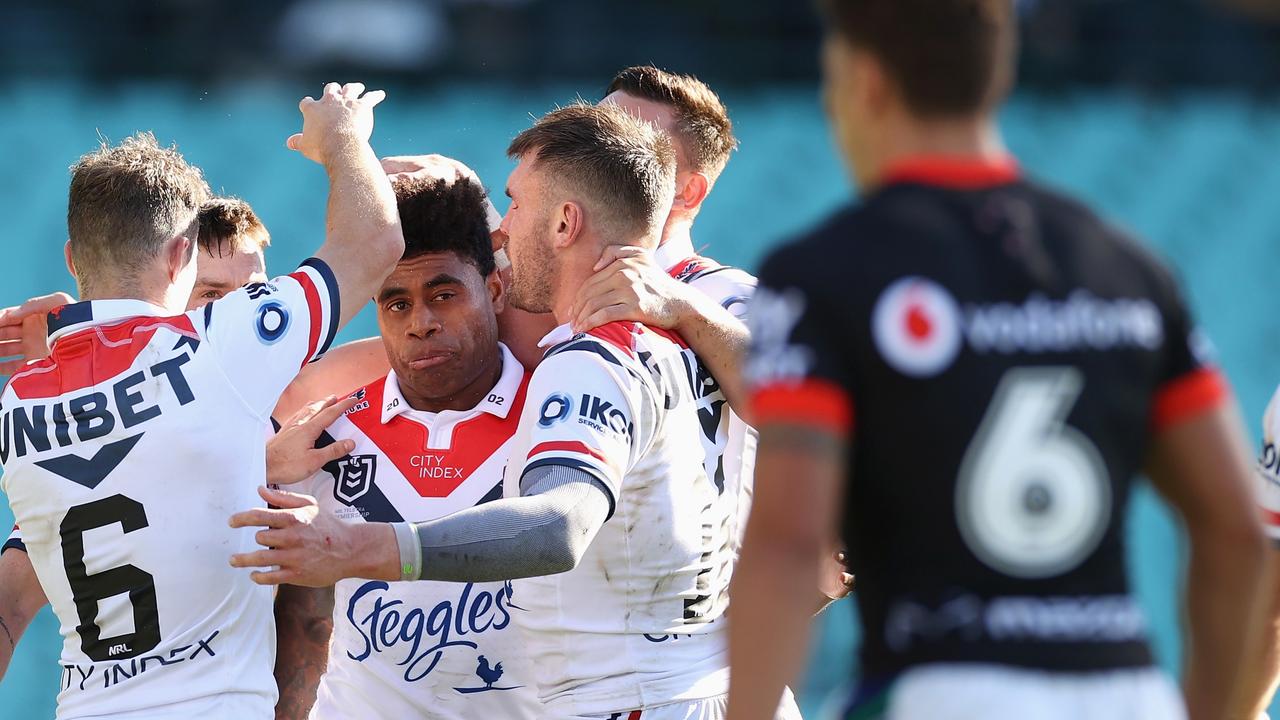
<point>178,255</point>
<point>870,83</point>
<point>497,291</point>
<point>693,191</point>
<point>569,225</point>
<point>71,264</point>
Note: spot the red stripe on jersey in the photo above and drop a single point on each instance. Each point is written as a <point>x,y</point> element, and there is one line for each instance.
<point>572,446</point>
<point>811,402</point>
<point>1269,517</point>
<point>620,334</point>
<point>959,173</point>
<point>437,472</point>
<point>672,336</point>
<point>314,310</point>
<point>90,356</point>
<point>635,715</point>
<point>1197,392</point>
<point>691,265</point>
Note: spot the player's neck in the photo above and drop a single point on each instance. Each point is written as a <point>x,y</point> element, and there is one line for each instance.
<point>466,398</point>
<point>677,229</point>
<point>973,138</point>
<point>160,299</point>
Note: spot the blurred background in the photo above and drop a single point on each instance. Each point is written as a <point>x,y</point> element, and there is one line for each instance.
<point>1164,114</point>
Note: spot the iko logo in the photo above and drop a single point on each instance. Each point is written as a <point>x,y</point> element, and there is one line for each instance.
<point>557,407</point>
<point>355,477</point>
<point>385,623</point>
<point>916,324</point>
<point>272,322</point>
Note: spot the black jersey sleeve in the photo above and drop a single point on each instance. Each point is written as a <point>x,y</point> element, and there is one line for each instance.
<point>1189,382</point>
<point>799,367</point>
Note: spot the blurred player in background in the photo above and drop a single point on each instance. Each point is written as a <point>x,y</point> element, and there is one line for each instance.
<point>432,437</point>
<point>231,240</point>
<point>121,499</point>
<point>962,373</point>
<point>619,536</point>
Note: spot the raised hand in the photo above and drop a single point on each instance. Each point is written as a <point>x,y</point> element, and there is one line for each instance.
<point>24,331</point>
<point>629,285</point>
<point>342,117</point>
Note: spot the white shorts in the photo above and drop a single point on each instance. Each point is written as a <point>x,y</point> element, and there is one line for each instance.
<point>993,692</point>
<point>712,708</point>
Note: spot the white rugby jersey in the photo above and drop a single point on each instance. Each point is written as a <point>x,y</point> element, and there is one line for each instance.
<point>125,452</point>
<point>426,649</point>
<point>729,442</point>
<point>1269,469</point>
<point>638,623</point>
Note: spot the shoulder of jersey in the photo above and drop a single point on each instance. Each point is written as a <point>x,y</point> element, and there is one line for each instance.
<point>697,267</point>
<point>369,407</point>
<point>611,340</point>
<point>116,352</point>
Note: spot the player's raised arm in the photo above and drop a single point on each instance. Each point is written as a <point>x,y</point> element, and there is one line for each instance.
<point>362,230</point>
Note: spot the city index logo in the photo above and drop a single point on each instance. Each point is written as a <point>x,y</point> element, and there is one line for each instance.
<point>598,414</point>
<point>425,635</point>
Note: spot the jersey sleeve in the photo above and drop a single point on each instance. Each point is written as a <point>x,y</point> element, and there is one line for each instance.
<point>595,427</point>
<point>1189,382</point>
<point>264,333</point>
<point>798,368</point>
<point>729,286</point>
<point>1268,470</point>
<point>14,541</point>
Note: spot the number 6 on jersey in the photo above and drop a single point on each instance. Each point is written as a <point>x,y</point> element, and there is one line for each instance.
<point>1033,496</point>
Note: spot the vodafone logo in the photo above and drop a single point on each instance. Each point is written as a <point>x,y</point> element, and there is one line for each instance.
<point>917,327</point>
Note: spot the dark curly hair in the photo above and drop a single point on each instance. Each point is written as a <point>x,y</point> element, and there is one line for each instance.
<point>436,216</point>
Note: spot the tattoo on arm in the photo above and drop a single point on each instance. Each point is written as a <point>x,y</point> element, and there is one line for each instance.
<point>304,626</point>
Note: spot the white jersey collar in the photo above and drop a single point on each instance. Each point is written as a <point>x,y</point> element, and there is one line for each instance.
<point>77,316</point>
<point>497,402</point>
<point>560,334</point>
<point>673,252</point>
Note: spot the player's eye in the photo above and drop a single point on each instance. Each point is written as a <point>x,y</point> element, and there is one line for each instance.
<point>398,306</point>
<point>211,294</point>
<point>445,296</point>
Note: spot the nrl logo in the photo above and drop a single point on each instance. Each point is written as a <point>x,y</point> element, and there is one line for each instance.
<point>355,477</point>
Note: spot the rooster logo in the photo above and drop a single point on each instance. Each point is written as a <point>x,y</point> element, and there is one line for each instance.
<point>489,675</point>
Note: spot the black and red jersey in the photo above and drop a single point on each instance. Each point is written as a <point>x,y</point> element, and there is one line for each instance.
<point>999,359</point>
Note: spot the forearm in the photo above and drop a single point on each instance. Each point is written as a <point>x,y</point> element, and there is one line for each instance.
<point>1260,669</point>
<point>304,627</point>
<point>719,340</point>
<point>768,626</point>
<point>21,597</point>
<point>542,533</point>
<point>1225,630</point>
<point>363,240</point>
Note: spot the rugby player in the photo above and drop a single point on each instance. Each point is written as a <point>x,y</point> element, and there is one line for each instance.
<point>231,240</point>
<point>96,436</point>
<point>616,536</point>
<point>963,372</point>
<point>1268,471</point>
<point>432,437</point>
